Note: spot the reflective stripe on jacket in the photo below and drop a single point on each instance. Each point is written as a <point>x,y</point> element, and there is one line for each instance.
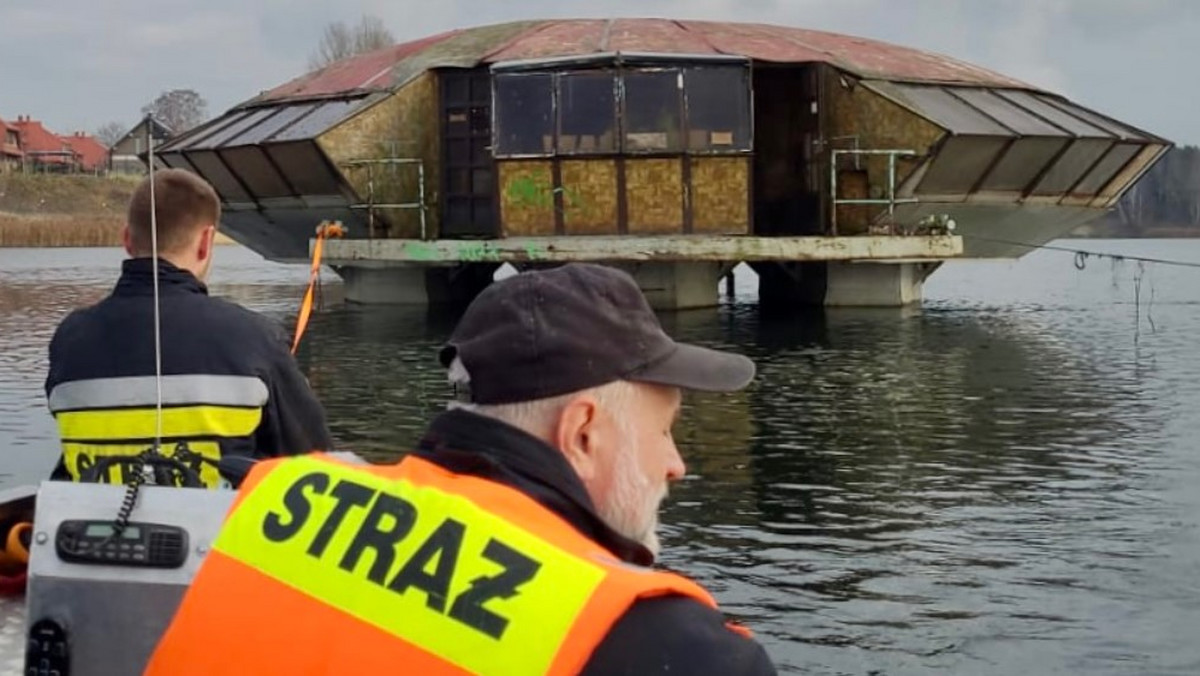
<point>102,418</point>
<point>323,567</point>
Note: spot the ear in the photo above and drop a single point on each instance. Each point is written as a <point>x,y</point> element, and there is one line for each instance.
<point>204,248</point>
<point>577,435</point>
<point>127,240</point>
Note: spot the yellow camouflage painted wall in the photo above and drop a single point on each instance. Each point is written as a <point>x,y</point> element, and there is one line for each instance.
<point>720,195</point>
<point>654,196</point>
<point>404,124</point>
<point>526,197</point>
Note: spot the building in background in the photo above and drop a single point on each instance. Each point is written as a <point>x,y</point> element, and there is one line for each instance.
<point>11,155</point>
<point>125,156</point>
<point>44,151</point>
<point>91,154</point>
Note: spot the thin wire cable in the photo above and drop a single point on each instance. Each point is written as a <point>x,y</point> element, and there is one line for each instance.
<point>158,398</point>
<point>1082,254</point>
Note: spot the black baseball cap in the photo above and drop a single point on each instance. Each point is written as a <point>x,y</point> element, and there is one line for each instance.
<point>551,332</point>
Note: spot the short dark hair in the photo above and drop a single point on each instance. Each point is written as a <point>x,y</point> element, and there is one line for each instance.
<point>184,203</point>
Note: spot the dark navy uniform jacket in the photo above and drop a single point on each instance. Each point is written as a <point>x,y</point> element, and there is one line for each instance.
<point>230,385</point>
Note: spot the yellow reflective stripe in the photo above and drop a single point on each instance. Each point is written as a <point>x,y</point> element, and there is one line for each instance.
<point>139,423</point>
<point>539,614</point>
<point>77,458</point>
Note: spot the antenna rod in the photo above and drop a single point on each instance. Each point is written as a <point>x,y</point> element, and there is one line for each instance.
<point>158,421</point>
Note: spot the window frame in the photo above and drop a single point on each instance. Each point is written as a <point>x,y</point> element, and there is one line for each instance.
<point>618,71</point>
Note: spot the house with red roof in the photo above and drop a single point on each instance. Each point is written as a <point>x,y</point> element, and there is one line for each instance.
<point>11,155</point>
<point>91,154</point>
<point>44,150</point>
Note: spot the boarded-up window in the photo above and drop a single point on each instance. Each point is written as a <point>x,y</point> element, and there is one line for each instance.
<point>587,103</point>
<point>718,109</point>
<point>524,114</point>
<point>653,119</point>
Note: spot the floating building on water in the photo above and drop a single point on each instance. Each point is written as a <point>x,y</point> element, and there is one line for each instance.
<point>677,149</point>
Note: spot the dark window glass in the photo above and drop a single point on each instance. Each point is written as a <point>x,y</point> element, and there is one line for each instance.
<point>718,109</point>
<point>524,114</point>
<point>587,105</point>
<point>652,117</point>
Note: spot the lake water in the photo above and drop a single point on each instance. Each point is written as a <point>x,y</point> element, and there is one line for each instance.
<point>1003,482</point>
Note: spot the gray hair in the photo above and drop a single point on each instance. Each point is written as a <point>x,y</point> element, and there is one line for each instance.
<point>539,416</point>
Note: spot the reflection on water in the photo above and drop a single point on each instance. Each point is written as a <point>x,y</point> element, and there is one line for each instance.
<point>1001,483</point>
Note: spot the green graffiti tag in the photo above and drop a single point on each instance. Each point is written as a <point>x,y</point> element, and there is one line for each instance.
<point>530,192</point>
<point>537,192</point>
<point>472,251</point>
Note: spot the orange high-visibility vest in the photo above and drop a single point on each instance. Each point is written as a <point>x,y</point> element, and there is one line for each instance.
<point>328,568</point>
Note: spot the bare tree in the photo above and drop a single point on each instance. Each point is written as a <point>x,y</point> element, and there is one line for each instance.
<point>111,132</point>
<point>179,109</point>
<point>340,41</point>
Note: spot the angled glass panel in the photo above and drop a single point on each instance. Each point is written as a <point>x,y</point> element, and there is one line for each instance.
<point>305,167</point>
<point>197,139</point>
<point>1107,169</point>
<point>1015,118</point>
<point>263,131</point>
<point>215,172</point>
<point>219,138</point>
<point>960,164</point>
<point>256,172</point>
<point>1022,163</point>
<point>319,120</point>
<point>1069,123</point>
<point>1111,126</point>
<point>1070,167</point>
<point>943,108</point>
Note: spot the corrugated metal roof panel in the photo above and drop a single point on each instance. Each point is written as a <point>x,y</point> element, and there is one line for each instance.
<point>520,40</point>
<point>366,71</point>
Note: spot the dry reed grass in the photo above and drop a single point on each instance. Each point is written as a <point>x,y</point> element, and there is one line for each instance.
<point>59,230</point>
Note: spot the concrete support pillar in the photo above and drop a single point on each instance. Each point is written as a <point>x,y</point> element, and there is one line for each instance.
<point>679,285</point>
<point>873,284</point>
<point>416,285</point>
<point>384,286</point>
<point>783,286</point>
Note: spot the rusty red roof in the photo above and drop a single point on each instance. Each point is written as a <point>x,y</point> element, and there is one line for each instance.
<point>471,47</point>
<point>366,71</point>
<point>92,153</point>
<point>36,139</point>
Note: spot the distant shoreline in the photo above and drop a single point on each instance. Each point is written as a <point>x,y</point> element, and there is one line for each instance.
<point>19,231</point>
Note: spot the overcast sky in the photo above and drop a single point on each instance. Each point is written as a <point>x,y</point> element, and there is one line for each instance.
<point>77,64</point>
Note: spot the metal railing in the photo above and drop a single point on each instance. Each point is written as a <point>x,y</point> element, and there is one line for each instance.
<point>891,200</point>
<point>370,204</point>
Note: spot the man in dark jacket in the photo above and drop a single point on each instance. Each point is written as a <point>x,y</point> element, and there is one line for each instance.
<point>229,384</point>
<point>571,389</point>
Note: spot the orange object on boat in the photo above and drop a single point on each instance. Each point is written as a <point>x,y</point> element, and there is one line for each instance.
<point>325,230</point>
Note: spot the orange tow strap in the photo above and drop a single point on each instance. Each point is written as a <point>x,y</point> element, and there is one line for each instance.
<point>324,230</point>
